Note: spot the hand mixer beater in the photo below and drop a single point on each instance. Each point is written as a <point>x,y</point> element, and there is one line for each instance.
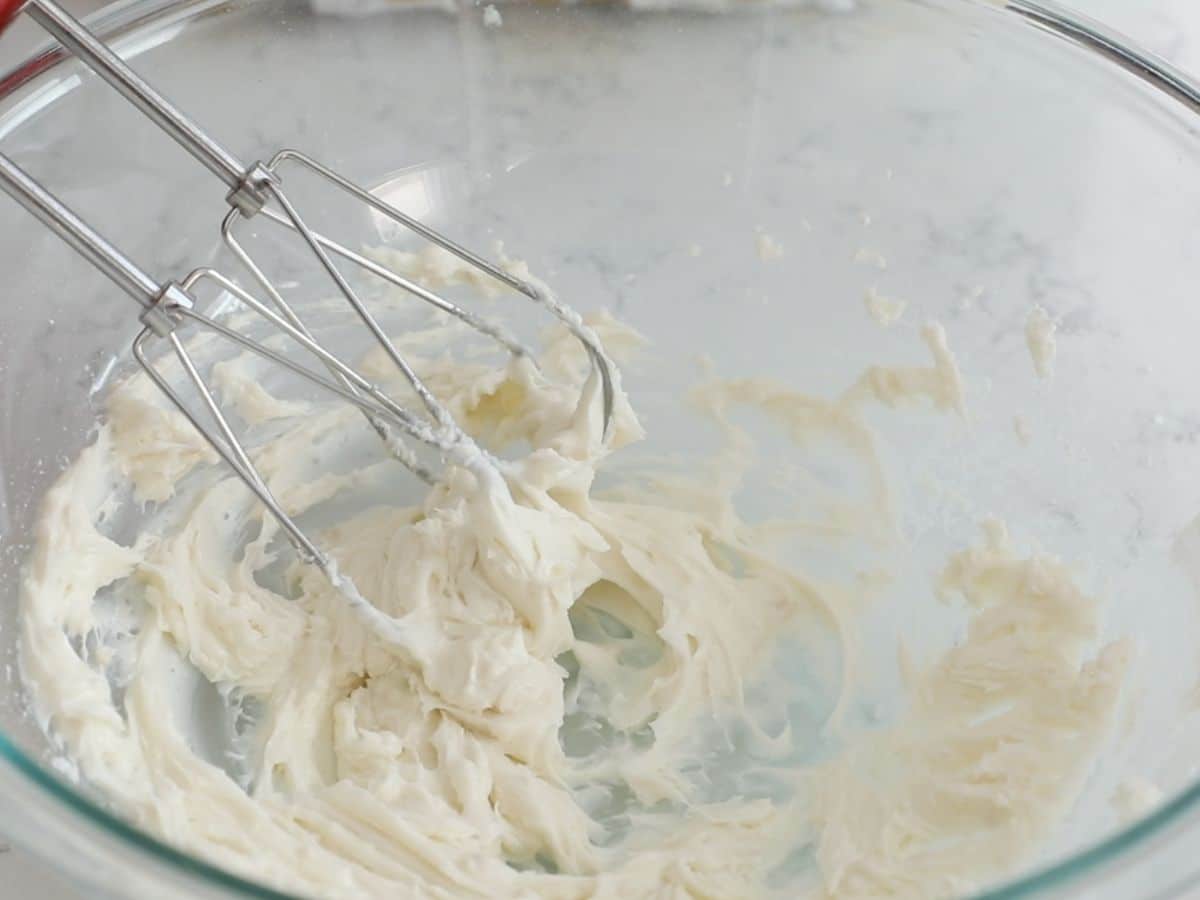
<point>257,190</point>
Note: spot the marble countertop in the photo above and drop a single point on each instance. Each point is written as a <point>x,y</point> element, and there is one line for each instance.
<point>1170,28</point>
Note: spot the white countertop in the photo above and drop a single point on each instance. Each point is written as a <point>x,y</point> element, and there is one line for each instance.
<point>1170,28</point>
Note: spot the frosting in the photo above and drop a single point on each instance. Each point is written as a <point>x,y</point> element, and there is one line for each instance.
<point>586,693</point>
<point>994,747</point>
<point>883,309</point>
<point>767,246</point>
<point>1039,337</point>
<point>1135,797</point>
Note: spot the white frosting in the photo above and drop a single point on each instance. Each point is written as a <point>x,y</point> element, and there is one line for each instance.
<point>768,247</point>
<point>535,619</point>
<point>940,383</point>
<point>1021,430</point>
<point>1039,337</point>
<point>885,310</point>
<point>1135,797</point>
<point>867,257</point>
<point>994,746</point>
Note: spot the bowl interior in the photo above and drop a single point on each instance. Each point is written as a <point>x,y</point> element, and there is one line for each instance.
<point>941,153</point>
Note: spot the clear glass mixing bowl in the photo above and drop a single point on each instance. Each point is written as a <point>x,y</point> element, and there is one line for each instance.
<point>950,152</point>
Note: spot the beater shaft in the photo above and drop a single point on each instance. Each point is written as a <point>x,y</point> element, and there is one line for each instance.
<point>109,66</point>
<point>163,306</point>
<point>257,188</point>
<point>86,241</point>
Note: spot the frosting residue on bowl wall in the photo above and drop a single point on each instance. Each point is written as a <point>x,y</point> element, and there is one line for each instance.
<point>597,690</point>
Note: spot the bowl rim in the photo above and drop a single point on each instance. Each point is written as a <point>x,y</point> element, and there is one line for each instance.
<point>124,18</point>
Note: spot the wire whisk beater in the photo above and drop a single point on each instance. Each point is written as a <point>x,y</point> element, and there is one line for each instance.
<point>257,191</point>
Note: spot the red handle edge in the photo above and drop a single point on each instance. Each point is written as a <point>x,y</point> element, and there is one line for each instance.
<point>8,12</point>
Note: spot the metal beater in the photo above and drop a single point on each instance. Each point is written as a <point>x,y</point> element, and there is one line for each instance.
<point>254,190</point>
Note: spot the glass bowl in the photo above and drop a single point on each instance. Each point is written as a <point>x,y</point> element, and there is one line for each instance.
<point>970,158</point>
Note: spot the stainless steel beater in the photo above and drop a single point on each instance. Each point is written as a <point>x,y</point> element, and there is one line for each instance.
<point>257,190</point>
